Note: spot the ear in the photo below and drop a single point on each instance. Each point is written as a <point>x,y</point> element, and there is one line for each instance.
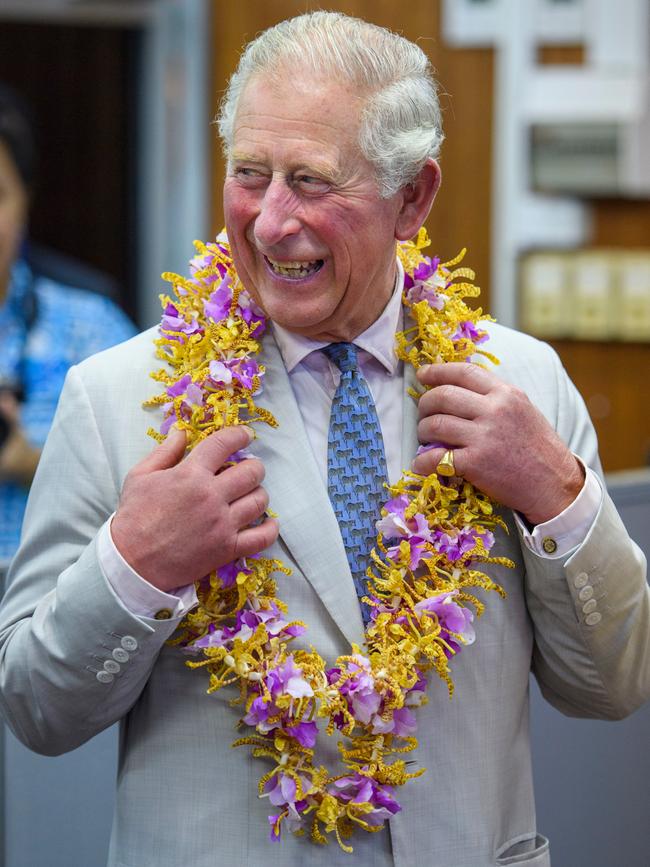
<point>417,199</point>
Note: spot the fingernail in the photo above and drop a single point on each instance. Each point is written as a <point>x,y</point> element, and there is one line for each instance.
<point>250,432</point>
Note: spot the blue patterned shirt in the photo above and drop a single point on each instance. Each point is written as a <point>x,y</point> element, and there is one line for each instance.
<point>67,326</point>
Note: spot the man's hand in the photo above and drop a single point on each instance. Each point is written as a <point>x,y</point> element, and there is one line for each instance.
<point>502,444</point>
<point>180,519</point>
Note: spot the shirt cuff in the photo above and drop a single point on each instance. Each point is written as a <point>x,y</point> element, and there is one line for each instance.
<point>136,594</point>
<point>556,538</point>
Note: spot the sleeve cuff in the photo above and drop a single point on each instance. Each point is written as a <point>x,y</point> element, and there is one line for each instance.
<point>556,538</point>
<point>136,594</point>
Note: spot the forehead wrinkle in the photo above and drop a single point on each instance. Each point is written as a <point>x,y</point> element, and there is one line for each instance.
<point>271,124</point>
<point>276,123</point>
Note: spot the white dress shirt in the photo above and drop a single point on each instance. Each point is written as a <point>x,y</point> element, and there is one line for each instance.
<point>314,380</point>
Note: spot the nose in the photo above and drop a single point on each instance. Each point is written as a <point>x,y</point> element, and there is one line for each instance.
<point>278,214</point>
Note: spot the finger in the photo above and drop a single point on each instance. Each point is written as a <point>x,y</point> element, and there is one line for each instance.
<point>249,508</point>
<point>456,432</point>
<point>469,376</point>
<point>451,400</point>
<point>169,453</point>
<point>215,450</point>
<point>427,462</point>
<point>255,539</point>
<point>241,479</point>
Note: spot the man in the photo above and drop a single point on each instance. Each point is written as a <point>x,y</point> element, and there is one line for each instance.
<point>327,167</point>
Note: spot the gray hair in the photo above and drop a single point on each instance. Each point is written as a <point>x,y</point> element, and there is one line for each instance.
<point>401,126</point>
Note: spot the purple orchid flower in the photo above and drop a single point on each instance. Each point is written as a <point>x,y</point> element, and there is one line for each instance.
<point>456,545</point>
<point>250,312</point>
<point>305,733</point>
<point>245,370</point>
<point>402,723</point>
<point>287,679</point>
<point>194,394</point>
<point>357,789</point>
<point>179,387</point>
<point>273,620</point>
<point>424,284</point>
<point>416,694</point>
<point>228,573</point>
<point>424,271</point>
<point>291,816</point>
<point>258,715</point>
<point>468,331</point>
<point>183,386</point>
<point>359,690</point>
<point>217,307</point>
<point>417,551</point>
<point>169,419</point>
<point>242,370</point>
<point>281,789</point>
<point>173,321</point>
<point>453,618</point>
<point>393,524</point>
<point>261,711</point>
<point>220,372</point>
<point>414,531</point>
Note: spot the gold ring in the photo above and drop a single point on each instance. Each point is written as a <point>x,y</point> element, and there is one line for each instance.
<point>446,466</point>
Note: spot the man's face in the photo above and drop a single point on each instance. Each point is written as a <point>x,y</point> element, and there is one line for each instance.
<point>13,215</point>
<point>311,238</point>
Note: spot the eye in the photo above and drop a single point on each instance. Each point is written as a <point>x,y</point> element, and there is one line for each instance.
<point>311,183</point>
<point>249,176</point>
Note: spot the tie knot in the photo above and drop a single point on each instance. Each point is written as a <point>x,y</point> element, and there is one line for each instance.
<point>344,355</point>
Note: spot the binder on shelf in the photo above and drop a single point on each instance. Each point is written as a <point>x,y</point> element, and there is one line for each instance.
<point>595,316</point>
<point>545,308</point>
<point>634,296</point>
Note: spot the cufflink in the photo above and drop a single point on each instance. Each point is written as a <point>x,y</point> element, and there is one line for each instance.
<point>549,545</point>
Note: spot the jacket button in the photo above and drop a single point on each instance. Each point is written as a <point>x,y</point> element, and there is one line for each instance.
<point>580,580</point>
<point>111,666</point>
<point>129,643</point>
<point>586,593</point>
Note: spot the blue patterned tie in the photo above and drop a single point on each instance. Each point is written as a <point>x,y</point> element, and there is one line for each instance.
<point>356,465</point>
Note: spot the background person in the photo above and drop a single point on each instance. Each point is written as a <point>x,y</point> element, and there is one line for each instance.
<point>45,327</point>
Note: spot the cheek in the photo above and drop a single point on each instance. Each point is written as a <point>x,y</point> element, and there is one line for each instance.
<point>239,204</point>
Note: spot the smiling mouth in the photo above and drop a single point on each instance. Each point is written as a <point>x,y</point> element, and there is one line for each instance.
<point>294,270</point>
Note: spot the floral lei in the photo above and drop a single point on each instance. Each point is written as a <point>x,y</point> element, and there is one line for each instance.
<point>438,531</point>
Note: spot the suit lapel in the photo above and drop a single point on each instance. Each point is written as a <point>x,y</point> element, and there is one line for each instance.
<point>308,526</point>
<point>409,418</point>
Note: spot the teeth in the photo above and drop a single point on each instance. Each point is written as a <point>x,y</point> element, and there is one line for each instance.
<point>294,269</point>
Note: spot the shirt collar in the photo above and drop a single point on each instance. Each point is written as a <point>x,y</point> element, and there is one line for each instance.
<point>378,340</point>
